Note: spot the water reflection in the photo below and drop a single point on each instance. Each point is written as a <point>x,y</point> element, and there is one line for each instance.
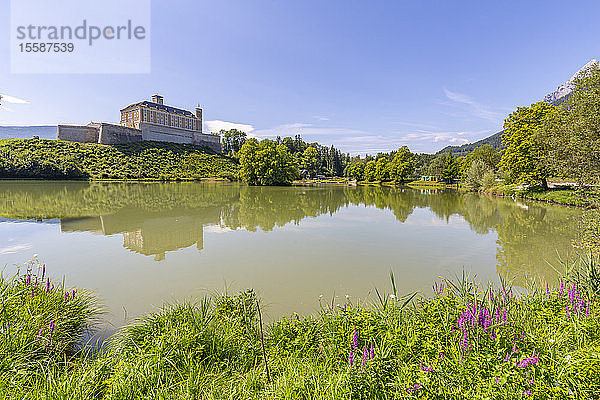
<point>157,218</point>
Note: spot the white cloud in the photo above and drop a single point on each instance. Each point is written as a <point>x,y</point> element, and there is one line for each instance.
<point>474,108</point>
<point>11,99</point>
<point>217,125</point>
<point>15,248</point>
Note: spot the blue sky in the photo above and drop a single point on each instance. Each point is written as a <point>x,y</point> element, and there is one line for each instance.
<point>363,76</point>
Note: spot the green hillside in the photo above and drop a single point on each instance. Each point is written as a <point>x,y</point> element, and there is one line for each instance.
<point>495,141</point>
<point>54,159</point>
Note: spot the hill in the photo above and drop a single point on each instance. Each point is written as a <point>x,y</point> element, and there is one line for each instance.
<point>55,159</point>
<point>495,141</point>
<point>558,96</point>
<point>28,132</point>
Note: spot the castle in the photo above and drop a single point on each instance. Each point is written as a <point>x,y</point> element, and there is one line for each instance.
<point>145,120</point>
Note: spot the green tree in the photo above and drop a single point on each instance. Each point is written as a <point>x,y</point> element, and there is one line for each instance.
<point>232,140</point>
<point>267,163</point>
<point>475,174</point>
<point>356,170</point>
<point>572,135</point>
<point>370,171</point>
<point>382,170</point>
<point>485,153</point>
<point>310,161</point>
<point>402,166</point>
<point>451,168</point>
<point>436,167</point>
<point>524,155</point>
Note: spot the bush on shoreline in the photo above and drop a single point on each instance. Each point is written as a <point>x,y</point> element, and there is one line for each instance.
<point>467,341</point>
<point>55,159</point>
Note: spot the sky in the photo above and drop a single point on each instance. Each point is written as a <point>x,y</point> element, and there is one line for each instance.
<point>366,77</point>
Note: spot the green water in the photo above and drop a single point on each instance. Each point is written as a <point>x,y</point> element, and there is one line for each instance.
<point>139,245</point>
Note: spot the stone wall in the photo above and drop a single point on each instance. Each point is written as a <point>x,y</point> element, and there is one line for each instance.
<point>159,133</point>
<point>213,142</point>
<point>104,133</point>
<point>115,134</point>
<point>78,133</point>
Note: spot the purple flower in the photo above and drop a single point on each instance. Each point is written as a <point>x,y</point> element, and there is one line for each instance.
<point>587,309</point>
<point>40,333</point>
<point>413,388</point>
<point>355,340</point>
<point>43,271</point>
<point>527,393</point>
<point>364,359</point>
<point>28,280</point>
<point>32,292</point>
<point>562,287</point>
<point>441,356</point>
<point>426,368</point>
<point>51,326</point>
<point>350,358</point>
<point>529,361</point>
<point>48,285</point>
<point>372,352</point>
<point>497,380</point>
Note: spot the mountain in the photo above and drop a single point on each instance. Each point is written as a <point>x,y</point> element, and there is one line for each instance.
<point>563,91</point>
<point>27,132</point>
<point>495,141</point>
<point>556,97</point>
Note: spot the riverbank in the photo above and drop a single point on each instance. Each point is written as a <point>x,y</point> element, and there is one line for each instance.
<point>562,195</point>
<point>467,341</point>
<point>154,161</point>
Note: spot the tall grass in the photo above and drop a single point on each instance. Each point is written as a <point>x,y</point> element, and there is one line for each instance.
<point>467,341</point>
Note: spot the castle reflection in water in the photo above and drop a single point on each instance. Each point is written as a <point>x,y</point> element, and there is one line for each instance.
<point>151,236</point>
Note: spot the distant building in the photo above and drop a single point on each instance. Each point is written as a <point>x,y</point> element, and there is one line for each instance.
<point>146,120</point>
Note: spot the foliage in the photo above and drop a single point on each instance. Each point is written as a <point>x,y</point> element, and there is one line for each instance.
<point>572,135</point>
<point>232,140</point>
<point>54,159</point>
<point>475,174</point>
<point>356,170</point>
<point>467,341</point>
<point>267,163</point>
<point>370,169</point>
<point>382,170</point>
<point>310,161</point>
<point>332,162</point>
<point>402,167</point>
<point>486,153</point>
<point>524,154</point>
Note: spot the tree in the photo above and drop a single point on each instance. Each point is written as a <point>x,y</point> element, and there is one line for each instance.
<point>475,174</point>
<point>356,170</point>
<point>310,161</point>
<point>232,140</point>
<point>451,168</point>
<point>485,153</point>
<point>402,167</point>
<point>524,155</point>
<point>267,163</point>
<point>370,171</point>
<point>436,167</point>
<point>382,170</point>
<point>572,135</point>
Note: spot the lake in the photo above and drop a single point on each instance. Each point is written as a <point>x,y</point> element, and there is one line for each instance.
<point>139,245</point>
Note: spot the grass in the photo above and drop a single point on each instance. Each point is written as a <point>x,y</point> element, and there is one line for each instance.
<point>564,195</point>
<point>54,159</point>
<point>467,341</point>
